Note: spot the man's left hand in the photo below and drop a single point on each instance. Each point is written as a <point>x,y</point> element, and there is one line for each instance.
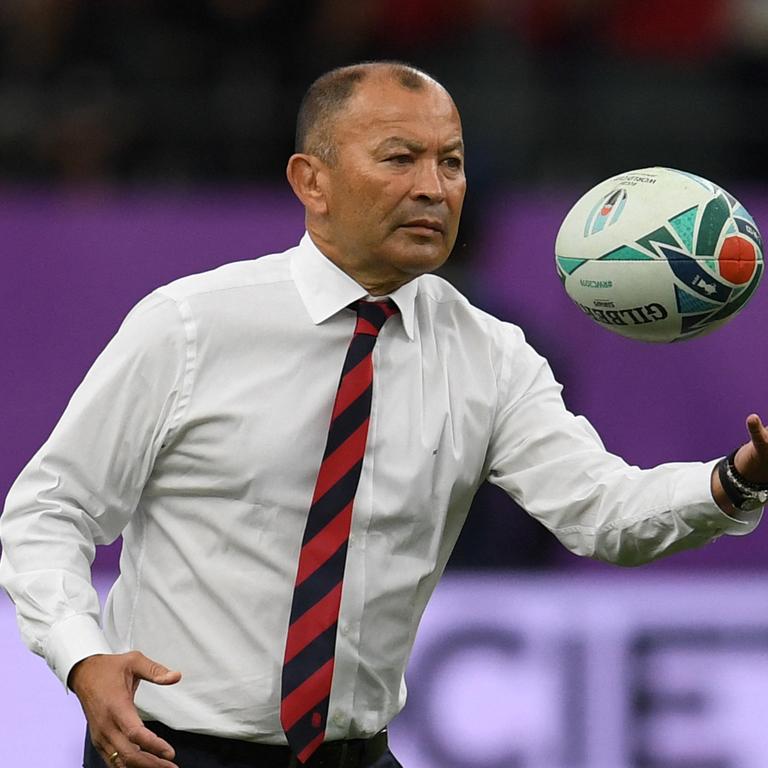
<point>751,459</point>
<point>751,462</point>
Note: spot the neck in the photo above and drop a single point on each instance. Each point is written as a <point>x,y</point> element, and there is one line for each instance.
<point>373,280</point>
<point>375,288</point>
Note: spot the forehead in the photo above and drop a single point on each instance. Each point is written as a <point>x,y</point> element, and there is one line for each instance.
<point>381,107</point>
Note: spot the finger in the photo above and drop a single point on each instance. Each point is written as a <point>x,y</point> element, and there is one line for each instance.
<point>757,431</point>
<point>152,671</point>
<point>135,737</point>
<point>149,741</point>
<point>115,760</point>
<point>139,759</point>
<point>112,758</point>
<point>131,756</point>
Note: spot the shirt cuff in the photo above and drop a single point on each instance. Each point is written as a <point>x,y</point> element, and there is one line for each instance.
<point>71,640</point>
<point>693,495</point>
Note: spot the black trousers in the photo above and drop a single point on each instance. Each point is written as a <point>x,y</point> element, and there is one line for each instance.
<point>189,757</point>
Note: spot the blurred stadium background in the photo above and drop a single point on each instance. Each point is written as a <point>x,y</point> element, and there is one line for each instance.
<point>142,140</point>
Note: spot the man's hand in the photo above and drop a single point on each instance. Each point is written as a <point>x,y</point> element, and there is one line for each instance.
<point>105,685</point>
<point>751,459</point>
<point>751,462</point>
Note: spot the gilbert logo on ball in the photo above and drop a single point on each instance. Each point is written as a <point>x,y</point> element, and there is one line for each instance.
<point>659,255</point>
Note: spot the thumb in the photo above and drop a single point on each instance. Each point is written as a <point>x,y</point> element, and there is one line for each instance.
<point>757,432</point>
<point>143,668</point>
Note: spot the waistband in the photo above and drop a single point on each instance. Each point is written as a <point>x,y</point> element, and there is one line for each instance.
<point>192,749</point>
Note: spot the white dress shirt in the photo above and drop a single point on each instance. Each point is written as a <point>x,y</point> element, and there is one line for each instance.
<point>198,434</point>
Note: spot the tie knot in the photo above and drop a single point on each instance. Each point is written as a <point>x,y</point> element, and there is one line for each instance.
<point>371,315</point>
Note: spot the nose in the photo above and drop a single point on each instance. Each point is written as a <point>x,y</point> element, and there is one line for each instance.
<point>428,182</point>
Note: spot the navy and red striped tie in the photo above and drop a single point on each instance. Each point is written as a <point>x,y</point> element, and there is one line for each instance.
<point>311,641</point>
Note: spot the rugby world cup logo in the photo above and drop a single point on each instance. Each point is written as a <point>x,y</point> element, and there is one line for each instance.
<point>720,270</point>
<point>606,212</point>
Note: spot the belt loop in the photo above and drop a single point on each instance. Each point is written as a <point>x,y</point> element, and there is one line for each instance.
<point>343,756</point>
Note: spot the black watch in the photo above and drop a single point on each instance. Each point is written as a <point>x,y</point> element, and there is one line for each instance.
<point>743,494</point>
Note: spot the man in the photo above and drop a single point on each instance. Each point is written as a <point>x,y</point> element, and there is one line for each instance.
<point>282,564</point>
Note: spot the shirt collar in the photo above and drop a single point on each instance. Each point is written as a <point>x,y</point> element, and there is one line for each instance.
<point>325,289</point>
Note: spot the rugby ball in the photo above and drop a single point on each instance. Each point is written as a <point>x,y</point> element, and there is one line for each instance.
<point>659,255</point>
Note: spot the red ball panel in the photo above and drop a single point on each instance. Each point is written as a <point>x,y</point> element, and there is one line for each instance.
<point>737,260</point>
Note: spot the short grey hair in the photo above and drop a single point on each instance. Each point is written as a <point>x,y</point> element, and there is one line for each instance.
<point>326,97</point>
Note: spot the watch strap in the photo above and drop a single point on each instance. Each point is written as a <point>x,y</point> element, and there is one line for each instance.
<point>742,493</point>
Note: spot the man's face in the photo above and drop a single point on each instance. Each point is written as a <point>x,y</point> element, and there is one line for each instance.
<point>395,191</point>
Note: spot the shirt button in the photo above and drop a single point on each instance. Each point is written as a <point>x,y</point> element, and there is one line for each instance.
<point>338,718</point>
<point>351,538</point>
<point>344,629</point>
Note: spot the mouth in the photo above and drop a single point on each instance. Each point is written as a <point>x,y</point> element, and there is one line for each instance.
<point>424,226</point>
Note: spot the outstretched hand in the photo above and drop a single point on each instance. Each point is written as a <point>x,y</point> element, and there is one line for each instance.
<point>105,685</point>
<point>751,459</point>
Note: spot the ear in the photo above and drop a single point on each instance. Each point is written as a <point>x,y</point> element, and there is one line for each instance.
<point>306,175</point>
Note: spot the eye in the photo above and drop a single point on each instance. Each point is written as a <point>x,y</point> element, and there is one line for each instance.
<point>401,159</point>
<point>454,162</point>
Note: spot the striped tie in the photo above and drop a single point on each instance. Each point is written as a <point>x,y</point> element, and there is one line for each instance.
<point>309,648</point>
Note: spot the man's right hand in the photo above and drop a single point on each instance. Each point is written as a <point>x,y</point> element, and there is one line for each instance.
<point>105,685</point>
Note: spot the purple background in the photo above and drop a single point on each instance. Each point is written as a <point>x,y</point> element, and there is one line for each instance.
<point>74,264</point>
<point>542,666</point>
<point>649,402</point>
